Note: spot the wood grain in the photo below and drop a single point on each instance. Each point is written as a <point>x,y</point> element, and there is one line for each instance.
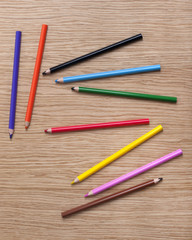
<point>36,169</point>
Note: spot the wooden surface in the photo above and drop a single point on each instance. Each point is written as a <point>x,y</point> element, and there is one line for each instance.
<point>36,169</point>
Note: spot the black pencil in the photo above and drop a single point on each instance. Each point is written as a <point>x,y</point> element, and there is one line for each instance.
<point>93,54</point>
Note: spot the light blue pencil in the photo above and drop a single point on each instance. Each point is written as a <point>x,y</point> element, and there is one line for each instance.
<point>109,74</point>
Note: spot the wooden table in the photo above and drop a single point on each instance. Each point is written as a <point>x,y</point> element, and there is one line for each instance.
<point>36,168</point>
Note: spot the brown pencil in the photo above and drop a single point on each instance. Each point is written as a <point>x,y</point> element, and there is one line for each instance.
<point>110,197</point>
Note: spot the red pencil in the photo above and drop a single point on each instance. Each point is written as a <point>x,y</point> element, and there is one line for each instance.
<point>97,126</point>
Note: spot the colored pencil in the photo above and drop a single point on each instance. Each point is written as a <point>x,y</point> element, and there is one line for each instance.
<point>111,197</point>
<point>114,73</point>
<point>14,83</point>
<point>118,154</point>
<point>35,76</point>
<point>93,54</point>
<point>125,94</point>
<point>97,126</point>
<point>135,172</point>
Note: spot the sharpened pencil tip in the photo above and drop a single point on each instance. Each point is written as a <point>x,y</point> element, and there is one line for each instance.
<point>45,130</point>
<point>72,88</point>
<point>56,80</point>
<point>44,73</point>
<point>27,125</point>
<point>160,179</point>
<point>86,195</point>
<point>11,131</point>
<point>73,182</point>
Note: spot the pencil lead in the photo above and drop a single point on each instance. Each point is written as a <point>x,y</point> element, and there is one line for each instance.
<point>76,89</point>
<point>48,71</point>
<point>73,182</point>
<point>45,130</point>
<point>11,131</point>
<point>160,179</point>
<point>89,194</point>
<point>27,125</point>
<point>76,180</point>
<point>56,80</point>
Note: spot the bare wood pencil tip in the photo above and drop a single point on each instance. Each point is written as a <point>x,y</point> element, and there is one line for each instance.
<point>48,130</point>
<point>89,194</point>
<point>157,180</point>
<point>11,133</point>
<point>76,180</point>
<point>27,125</point>
<point>76,89</point>
<point>59,80</point>
<point>46,72</point>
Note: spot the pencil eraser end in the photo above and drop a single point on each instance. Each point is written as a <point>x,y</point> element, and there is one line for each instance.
<point>180,151</point>
<point>44,26</point>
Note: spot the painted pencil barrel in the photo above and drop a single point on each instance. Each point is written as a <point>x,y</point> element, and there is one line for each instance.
<point>36,73</point>
<point>120,153</point>
<point>128,94</point>
<point>137,171</point>
<point>109,197</point>
<point>96,53</point>
<point>100,125</point>
<point>111,73</point>
<point>15,79</point>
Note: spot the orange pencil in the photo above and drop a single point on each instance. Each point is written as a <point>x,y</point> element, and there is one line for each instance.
<point>35,75</point>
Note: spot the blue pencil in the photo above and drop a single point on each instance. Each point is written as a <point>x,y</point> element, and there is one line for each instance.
<point>14,83</point>
<point>109,74</point>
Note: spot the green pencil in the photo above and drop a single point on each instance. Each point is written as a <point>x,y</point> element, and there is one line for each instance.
<point>125,94</point>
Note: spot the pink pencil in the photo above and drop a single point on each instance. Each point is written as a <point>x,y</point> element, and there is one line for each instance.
<point>97,126</point>
<point>135,172</point>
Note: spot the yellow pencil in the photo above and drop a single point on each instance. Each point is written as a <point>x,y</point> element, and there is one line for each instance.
<point>118,154</point>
